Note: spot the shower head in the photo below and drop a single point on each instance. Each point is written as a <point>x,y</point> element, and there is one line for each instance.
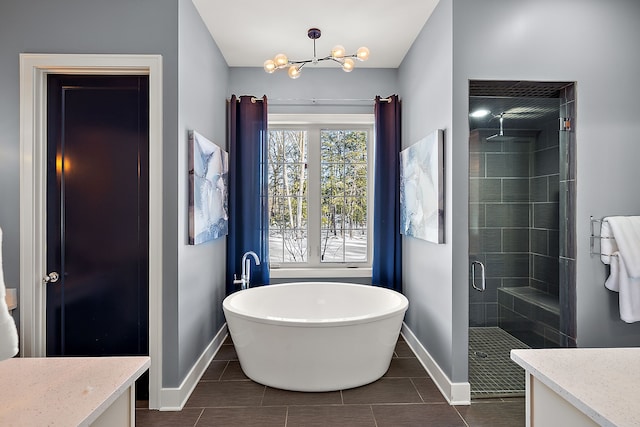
<point>500,136</point>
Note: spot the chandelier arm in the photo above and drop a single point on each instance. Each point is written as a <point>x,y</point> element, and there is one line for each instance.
<point>338,60</point>
<point>326,58</point>
<point>305,61</point>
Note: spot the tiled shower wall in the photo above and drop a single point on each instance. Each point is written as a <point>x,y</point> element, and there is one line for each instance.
<point>514,208</point>
<point>545,203</point>
<point>567,214</point>
<point>499,219</point>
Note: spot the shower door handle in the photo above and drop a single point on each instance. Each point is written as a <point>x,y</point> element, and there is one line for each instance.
<point>483,285</point>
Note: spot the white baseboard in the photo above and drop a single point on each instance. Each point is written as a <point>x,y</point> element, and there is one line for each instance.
<point>455,393</point>
<point>174,399</point>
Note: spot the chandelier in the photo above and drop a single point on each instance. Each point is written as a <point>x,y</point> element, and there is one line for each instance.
<point>338,54</point>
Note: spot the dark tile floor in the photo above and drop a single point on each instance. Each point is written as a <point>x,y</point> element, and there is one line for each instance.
<point>405,396</point>
<point>492,373</point>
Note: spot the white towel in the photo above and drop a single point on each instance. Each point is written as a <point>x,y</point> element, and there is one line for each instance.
<point>626,231</point>
<point>613,281</point>
<point>8,331</point>
<point>620,248</point>
<point>629,288</point>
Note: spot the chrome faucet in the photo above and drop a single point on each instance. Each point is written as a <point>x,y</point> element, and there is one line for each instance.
<point>245,277</point>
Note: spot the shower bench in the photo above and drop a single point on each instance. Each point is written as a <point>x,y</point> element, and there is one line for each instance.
<point>530,310</point>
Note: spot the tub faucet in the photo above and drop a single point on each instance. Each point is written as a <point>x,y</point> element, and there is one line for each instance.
<point>245,277</point>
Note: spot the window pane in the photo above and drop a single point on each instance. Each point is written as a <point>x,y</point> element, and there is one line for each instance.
<point>342,190</point>
<point>355,146</point>
<point>276,246</point>
<point>356,246</point>
<point>332,179</point>
<point>295,146</point>
<point>294,213</point>
<point>288,196</point>
<point>276,147</point>
<point>296,180</point>
<point>360,213</point>
<point>344,196</point>
<point>328,213</point>
<point>332,247</point>
<point>331,145</point>
<point>276,213</point>
<point>355,212</point>
<point>295,245</point>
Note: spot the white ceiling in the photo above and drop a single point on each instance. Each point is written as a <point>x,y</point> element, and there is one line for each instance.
<point>250,31</point>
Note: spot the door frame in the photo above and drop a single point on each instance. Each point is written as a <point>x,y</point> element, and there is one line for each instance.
<point>34,69</point>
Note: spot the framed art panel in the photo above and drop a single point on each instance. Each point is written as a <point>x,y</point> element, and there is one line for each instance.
<point>208,190</point>
<point>422,188</point>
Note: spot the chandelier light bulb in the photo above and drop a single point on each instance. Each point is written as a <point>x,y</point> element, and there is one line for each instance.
<point>338,52</point>
<point>270,66</point>
<point>362,54</point>
<point>348,65</point>
<point>281,60</point>
<point>294,72</point>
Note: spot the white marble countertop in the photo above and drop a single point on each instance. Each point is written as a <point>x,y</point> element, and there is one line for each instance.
<point>603,383</point>
<point>63,391</point>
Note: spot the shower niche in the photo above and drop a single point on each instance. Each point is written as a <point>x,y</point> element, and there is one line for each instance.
<point>521,177</point>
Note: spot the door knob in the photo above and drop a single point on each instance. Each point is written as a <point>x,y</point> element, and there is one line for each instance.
<point>51,277</point>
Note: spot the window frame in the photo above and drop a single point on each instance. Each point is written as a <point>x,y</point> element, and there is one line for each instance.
<point>314,124</point>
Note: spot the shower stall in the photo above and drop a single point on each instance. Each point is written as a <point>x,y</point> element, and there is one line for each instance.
<point>521,146</point>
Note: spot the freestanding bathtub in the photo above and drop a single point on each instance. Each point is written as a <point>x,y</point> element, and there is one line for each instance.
<point>315,336</point>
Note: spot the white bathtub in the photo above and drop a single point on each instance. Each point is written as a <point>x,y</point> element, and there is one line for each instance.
<point>315,336</point>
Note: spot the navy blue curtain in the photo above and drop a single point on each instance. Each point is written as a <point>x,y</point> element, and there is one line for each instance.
<point>387,244</point>
<point>248,188</point>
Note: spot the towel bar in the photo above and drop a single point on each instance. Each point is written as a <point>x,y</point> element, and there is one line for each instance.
<point>593,237</point>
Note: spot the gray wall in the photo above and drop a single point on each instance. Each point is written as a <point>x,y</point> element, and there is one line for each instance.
<point>285,95</point>
<point>504,40</point>
<point>527,40</point>
<point>425,79</point>
<point>203,78</point>
<point>75,26</point>
<point>191,301</point>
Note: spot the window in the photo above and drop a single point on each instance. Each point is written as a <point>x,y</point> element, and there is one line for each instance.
<point>320,194</point>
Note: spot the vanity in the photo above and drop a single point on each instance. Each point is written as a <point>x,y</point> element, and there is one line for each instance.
<point>70,391</point>
<point>581,387</point>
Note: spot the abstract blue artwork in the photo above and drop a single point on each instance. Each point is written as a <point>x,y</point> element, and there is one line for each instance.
<point>208,190</point>
<point>421,189</point>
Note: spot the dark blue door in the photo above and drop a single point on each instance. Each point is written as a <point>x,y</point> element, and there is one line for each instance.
<point>97,215</point>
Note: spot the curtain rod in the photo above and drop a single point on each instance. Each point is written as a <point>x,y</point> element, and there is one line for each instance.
<point>316,100</point>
